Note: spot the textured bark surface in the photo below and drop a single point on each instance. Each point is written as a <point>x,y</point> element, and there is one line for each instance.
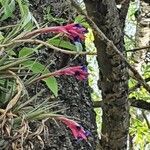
<point>74,95</point>
<point>113,75</point>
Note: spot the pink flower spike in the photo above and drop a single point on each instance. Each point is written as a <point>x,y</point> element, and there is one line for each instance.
<point>76,31</point>
<point>77,130</point>
<point>73,31</point>
<point>78,71</point>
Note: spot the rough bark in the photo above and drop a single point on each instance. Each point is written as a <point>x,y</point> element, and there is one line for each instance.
<point>74,95</point>
<point>113,75</point>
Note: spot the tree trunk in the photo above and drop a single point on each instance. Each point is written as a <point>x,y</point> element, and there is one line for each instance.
<point>74,95</point>
<point>113,73</point>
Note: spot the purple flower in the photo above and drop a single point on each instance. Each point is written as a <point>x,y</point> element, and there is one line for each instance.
<point>77,32</point>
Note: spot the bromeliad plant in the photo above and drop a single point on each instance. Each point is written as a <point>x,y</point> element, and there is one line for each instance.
<point>74,31</point>
<point>18,70</point>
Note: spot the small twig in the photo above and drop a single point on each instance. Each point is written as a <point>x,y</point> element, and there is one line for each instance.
<point>36,41</point>
<point>130,141</point>
<point>130,38</point>
<point>138,103</point>
<point>137,49</point>
<point>146,119</point>
<point>103,38</point>
<point>5,27</point>
<point>137,86</point>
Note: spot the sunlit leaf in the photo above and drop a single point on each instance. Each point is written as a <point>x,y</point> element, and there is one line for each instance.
<point>37,67</point>
<point>8,9</point>
<point>63,44</point>
<point>78,46</point>
<point>26,51</point>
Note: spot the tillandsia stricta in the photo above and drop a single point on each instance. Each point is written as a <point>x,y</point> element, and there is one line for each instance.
<point>73,31</point>
<point>77,130</point>
<point>79,72</point>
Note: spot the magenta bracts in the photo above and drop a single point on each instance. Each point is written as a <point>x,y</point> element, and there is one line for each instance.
<point>77,130</point>
<point>74,31</point>
<point>80,72</point>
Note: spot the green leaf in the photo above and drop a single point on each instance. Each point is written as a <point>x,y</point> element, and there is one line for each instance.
<point>8,9</point>
<point>26,15</point>
<point>11,64</point>
<point>27,19</point>
<point>36,23</point>
<point>63,44</point>
<point>1,36</point>
<point>80,19</point>
<point>37,67</point>
<point>78,46</point>
<point>26,51</point>
<point>51,82</point>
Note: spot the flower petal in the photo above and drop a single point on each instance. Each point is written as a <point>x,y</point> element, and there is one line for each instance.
<point>77,130</point>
